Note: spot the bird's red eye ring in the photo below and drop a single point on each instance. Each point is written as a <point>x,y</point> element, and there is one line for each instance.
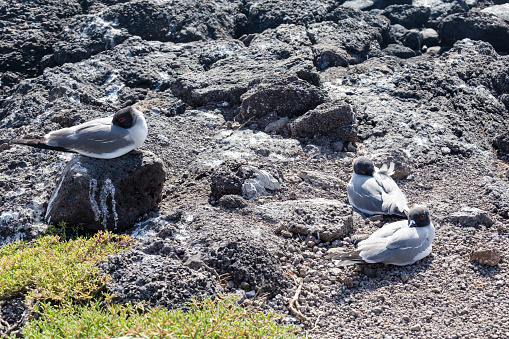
<point>421,216</point>
<point>120,119</point>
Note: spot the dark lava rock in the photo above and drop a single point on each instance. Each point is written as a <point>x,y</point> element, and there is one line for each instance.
<point>501,143</point>
<point>476,26</point>
<point>28,31</point>
<point>232,201</point>
<point>181,21</point>
<point>14,314</point>
<point>193,255</point>
<point>498,192</point>
<point>350,40</point>
<point>285,96</point>
<point>228,67</point>
<point>397,33</point>
<point>262,15</point>
<point>407,15</point>
<point>227,179</point>
<point>146,19</point>
<point>107,194</point>
<point>399,51</point>
<point>413,39</point>
<point>155,272</point>
<point>470,217</point>
<point>326,219</point>
<point>334,119</point>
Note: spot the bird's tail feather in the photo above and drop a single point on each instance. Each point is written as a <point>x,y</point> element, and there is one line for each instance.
<point>388,171</point>
<point>38,143</point>
<point>347,258</point>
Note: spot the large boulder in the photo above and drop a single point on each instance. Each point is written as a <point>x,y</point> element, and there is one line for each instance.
<point>107,194</point>
<point>350,40</point>
<point>326,219</point>
<point>409,16</point>
<point>284,95</point>
<point>334,119</point>
<point>476,26</point>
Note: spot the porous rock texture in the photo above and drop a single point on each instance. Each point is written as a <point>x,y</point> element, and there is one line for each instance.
<point>267,86</point>
<point>107,194</point>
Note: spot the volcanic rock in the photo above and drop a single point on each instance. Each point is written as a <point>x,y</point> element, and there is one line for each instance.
<point>470,217</point>
<point>333,119</point>
<point>409,16</point>
<point>285,96</point>
<point>486,256</point>
<point>327,219</point>
<point>107,194</point>
<point>476,26</point>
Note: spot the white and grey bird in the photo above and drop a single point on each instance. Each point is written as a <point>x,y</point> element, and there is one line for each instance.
<point>103,138</point>
<point>399,243</point>
<point>372,190</point>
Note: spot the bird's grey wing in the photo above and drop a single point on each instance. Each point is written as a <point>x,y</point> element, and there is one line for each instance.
<point>411,237</point>
<point>405,246</point>
<point>388,171</point>
<point>376,244</point>
<point>94,137</point>
<point>388,230</point>
<point>364,194</point>
<point>408,237</point>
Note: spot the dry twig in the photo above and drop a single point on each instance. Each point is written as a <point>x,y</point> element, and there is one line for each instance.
<point>294,302</point>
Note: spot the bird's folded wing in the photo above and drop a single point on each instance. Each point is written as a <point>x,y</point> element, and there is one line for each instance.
<point>365,194</point>
<point>406,238</point>
<point>91,138</point>
<point>388,230</point>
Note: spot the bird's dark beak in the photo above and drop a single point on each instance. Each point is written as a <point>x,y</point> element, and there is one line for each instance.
<point>411,223</point>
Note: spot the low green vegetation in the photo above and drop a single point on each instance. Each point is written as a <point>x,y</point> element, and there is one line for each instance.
<point>60,279</point>
<point>205,319</point>
<point>56,270</point>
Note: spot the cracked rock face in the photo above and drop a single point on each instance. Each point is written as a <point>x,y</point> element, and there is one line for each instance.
<point>107,194</point>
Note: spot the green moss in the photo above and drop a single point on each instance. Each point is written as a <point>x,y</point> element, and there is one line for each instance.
<point>61,280</point>
<point>206,319</point>
<point>60,271</point>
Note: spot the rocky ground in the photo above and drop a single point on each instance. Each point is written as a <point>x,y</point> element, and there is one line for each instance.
<point>255,110</point>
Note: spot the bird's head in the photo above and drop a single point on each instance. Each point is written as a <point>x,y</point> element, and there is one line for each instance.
<point>418,216</point>
<point>363,166</point>
<point>125,118</point>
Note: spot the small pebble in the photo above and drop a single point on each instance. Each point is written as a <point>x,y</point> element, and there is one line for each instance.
<point>416,327</point>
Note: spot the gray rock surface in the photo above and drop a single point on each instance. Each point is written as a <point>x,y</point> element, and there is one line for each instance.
<point>107,194</point>
<point>470,217</point>
<point>502,11</point>
<point>476,26</point>
<point>326,219</point>
<point>285,96</point>
<point>333,119</point>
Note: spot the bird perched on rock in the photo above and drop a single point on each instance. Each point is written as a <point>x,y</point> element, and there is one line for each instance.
<point>103,138</point>
<point>399,243</point>
<point>373,191</point>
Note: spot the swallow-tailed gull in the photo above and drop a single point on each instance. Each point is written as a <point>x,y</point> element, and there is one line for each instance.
<point>399,243</point>
<point>372,190</point>
<point>103,138</point>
